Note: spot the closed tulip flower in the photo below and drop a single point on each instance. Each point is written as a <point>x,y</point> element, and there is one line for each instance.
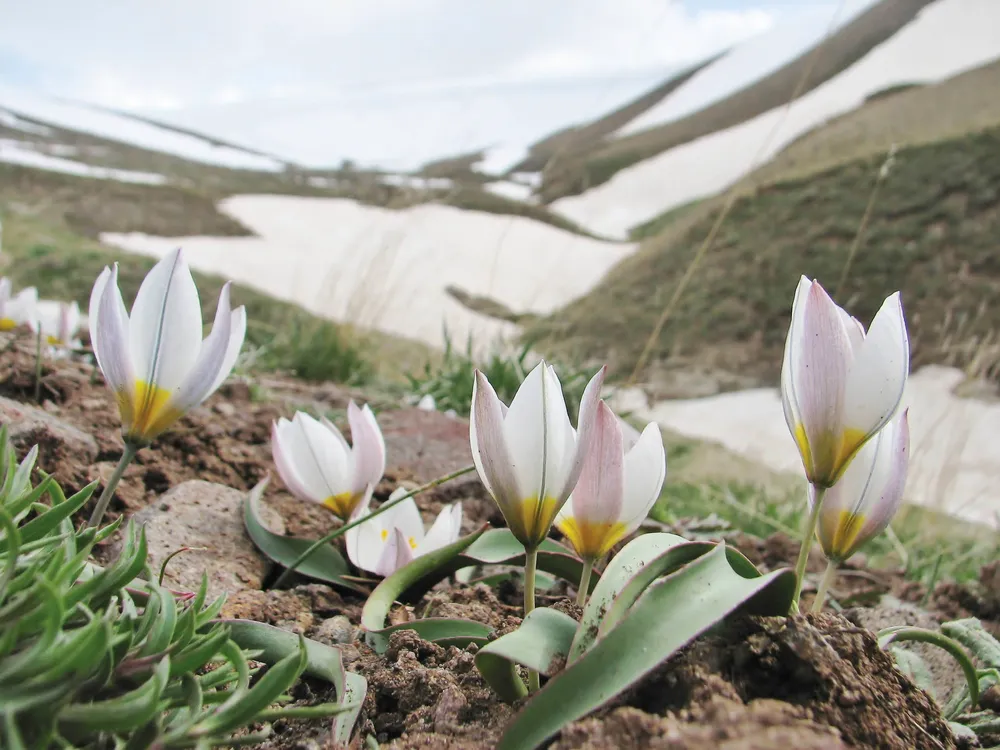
<point>618,485</point>
<point>316,463</point>
<point>396,537</point>
<point>58,323</point>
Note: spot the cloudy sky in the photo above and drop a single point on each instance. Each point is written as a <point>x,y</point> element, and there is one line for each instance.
<point>218,63</point>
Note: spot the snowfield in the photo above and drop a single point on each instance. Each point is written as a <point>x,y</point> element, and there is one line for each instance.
<point>125,129</point>
<point>947,38</point>
<point>954,465</point>
<point>389,269</point>
<point>748,62</point>
<point>14,152</point>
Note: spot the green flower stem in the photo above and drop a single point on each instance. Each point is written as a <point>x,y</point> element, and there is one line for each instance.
<point>900,633</point>
<point>807,542</point>
<point>38,364</point>
<point>102,503</point>
<point>530,566</point>
<point>828,575</point>
<point>582,589</point>
<point>381,509</point>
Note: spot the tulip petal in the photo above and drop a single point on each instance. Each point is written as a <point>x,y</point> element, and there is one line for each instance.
<point>599,493</point>
<point>110,338</point>
<point>405,518</point>
<point>237,333</point>
<point>489,446</point>
<point>586,422</point>
<point>819,378</point>
<point>792,343</point>
<point>645,471</point>
<point>365,544</point>
<point>447,527</point>
<point>524,432</point>
<point>165,330</point>
<point>330,462</point>
<point>395,554</point>
<point>285,464</point>
<point>314,461</point>
<point>197,386</point>
<point>878,376</point>
<point>368,447</point>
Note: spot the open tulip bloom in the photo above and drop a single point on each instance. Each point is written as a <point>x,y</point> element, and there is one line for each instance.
<point>839,385</point>
<point>16,309</point>
<point>860,506</point>
<point>58,323</point>
<point>395,538</point>
<point>316,463</point>
<point>618,485</point>
<point>155,359</point>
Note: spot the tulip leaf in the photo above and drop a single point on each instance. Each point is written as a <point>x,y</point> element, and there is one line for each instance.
<point>672,612</point>
<point>541,644</point>
<point>322,661</point>
<point>326,564</point>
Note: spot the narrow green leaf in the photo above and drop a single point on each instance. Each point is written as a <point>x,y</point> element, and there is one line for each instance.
<point>444,631</point>
<point>541,644</point>
<point>50,519</point>
<point>198,653</point>
<point>276,680</point>
<point>325,564</point>
<point>161,634</point>
<point>127,712</point>
<point>674,611</point>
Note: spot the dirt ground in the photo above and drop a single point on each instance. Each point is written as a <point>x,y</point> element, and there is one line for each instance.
<point>816,681</point>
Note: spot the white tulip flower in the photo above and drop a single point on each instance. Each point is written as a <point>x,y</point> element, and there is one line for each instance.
<point>16,310</point>
<point>395,538</point>
<point>528,456</point>
<point>155,359</point>
<point>316,463</point>
<point>839,384</point>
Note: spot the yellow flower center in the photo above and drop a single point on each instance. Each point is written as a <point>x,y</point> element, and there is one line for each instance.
<point>53,340</point>
<point>342,505</point>
<point>844,539</point>
<point>826,460</point>
<point>591,541</point>
<point>535,520</point>
<point>147,413</point>
<point>7,324</point>
<point>410,540</point>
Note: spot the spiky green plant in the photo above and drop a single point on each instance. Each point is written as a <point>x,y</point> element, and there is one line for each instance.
<point>98,657</point>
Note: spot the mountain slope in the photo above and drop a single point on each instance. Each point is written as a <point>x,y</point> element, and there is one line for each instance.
<point>575,173</point>
<point>932,234</point>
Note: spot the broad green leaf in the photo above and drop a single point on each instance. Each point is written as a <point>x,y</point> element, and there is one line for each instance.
<point>541,644</point>
<point>325,564</point>
<point>621,569</point>
<point>444,631</point>
<point>422,573</point>
<point>913,666</point>
<point>670,614</point>
<point>322,661</point>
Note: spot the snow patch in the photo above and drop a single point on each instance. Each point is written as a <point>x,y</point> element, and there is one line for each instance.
<point>947,38</point>
<point>389,269</point>
<point>14,152</point>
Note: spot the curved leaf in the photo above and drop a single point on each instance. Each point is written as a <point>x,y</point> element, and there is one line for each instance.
<point>619,571</point>
<point>671,613</point>
<point>325,564</point>
<point>322,661</point>
<point>421,573</point>
<point>540,644</point>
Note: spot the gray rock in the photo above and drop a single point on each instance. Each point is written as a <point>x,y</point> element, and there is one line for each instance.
<point>28,425</point>
<point>335,631</point>
<point>208,516</point>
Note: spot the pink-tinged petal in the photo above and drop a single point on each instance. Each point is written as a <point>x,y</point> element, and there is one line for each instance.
<point>285,465</point>
<point>405,517</point>
<point>599,494</point>
<point>166,327</point>
<point>110,339</point>
<point>395,554</point>
<point>877,378</point>
<point>489,447</point>
<point>586,422</point>
<point>819,373</point>
<point>793,343</point>
<point>855,330</point>
<point>198,385</point>
<point>560,438</point>
<point>645,471</point>
<point>308,459</point>
<point>368,447</point>
<point>237,333</point>
<point>862,503</point>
